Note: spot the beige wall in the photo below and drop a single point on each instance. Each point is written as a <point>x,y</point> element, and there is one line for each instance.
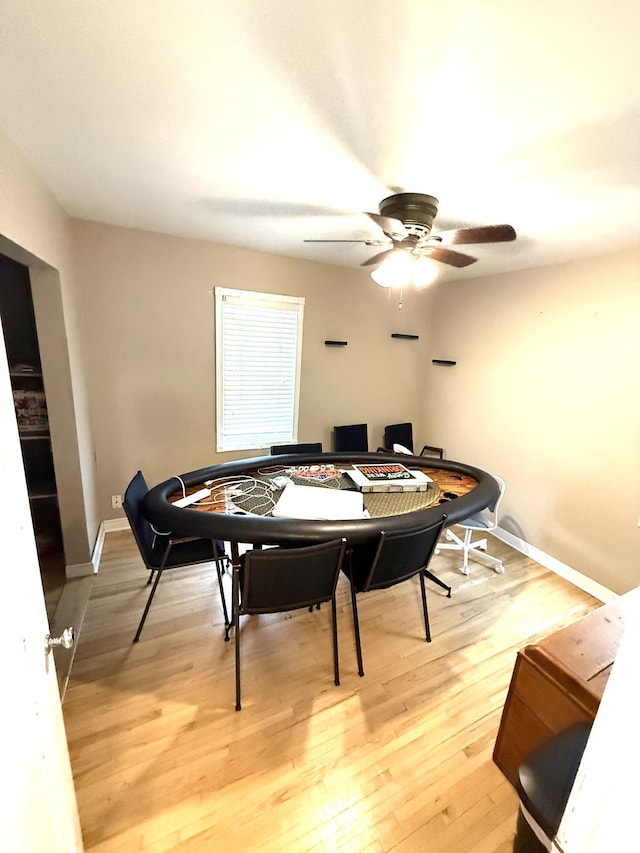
<point>542,392</point>
<point>34,230</point>
<point>545,394</point>
<point>148,314</point>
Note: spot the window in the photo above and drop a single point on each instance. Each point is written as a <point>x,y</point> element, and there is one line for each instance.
<point>258,347</point>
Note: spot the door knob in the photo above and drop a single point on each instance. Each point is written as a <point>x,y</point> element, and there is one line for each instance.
<point>66,640</point>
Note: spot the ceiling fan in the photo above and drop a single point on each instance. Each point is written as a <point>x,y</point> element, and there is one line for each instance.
<point>407,218</point>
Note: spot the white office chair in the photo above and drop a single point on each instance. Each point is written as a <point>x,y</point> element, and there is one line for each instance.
<point>485,520</point>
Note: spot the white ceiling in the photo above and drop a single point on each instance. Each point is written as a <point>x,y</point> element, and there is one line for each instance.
<point>264,122</point>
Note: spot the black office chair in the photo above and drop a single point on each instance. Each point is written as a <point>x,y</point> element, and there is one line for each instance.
<point>351,437</point>
<point>396,558</point>
<point>280,449</point>
<point>402,435</point>
<point>162,551</point>
<point>545,779</point>
<point>276,580</point>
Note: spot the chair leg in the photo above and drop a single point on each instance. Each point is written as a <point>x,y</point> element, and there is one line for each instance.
<point>485,558</point>
<point>219,572</point>
<point>433,578</point>
<point>425,612</point>
<point>356,628</point>
<point>235,605</point>
<point>465,550</point>
<point>148,605</point>
<point>475,549</point>
<point>334,621</point>
<point>151,574</point>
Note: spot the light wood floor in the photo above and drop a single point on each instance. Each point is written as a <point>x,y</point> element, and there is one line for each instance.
<point>399,760</point>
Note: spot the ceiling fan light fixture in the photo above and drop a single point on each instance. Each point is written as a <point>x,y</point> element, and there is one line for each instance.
<point>396,270</point>
<point>402,268</point>
<point>380,277</point>
<point>425,272</point>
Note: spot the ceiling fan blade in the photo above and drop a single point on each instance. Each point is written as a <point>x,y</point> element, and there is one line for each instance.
<point>448,256</point>
<point>481,234</point>
<point>376,259</point>
<point>366,242</point>
<point>392,227</point>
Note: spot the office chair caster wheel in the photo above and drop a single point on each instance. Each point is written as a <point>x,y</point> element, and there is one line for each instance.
<point>500,569</point>
<point>448,536</point>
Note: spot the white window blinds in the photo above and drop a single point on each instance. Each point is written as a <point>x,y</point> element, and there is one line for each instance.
<point>258,347</point>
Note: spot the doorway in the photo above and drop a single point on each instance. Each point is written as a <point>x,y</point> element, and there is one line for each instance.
<point>29,396</point>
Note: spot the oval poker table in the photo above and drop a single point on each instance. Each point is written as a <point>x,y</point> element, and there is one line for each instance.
<point>245,492</point>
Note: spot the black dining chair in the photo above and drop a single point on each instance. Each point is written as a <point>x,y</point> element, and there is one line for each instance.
<point>162,551</point>
<point>276,580</point>
<point>351,437</point>
<point>402,435</point>
<point>280,449</point>
<point>396,558</point>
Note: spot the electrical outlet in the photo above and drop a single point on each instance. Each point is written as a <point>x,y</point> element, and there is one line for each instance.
<point>116,501</point>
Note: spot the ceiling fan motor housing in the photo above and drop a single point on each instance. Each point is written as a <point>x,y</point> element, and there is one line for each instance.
<point>415,210</point>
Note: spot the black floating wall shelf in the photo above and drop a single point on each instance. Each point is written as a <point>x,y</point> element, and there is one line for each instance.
<point>405,337</point>
<point>444,361</point>
<point>335,343</point>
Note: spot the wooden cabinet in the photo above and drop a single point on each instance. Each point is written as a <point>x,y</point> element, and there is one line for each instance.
<point>557,682</point>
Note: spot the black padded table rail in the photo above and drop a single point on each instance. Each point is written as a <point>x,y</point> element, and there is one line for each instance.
<point>266,530</point>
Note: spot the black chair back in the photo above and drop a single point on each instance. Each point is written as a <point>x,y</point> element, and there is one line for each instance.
<point>403,434</point>
<point>280,449</point>
<point>273,580</point>
<point>142,532</point>
<point>400,556</point>
<point>399,434</point>
<point>351,437</point>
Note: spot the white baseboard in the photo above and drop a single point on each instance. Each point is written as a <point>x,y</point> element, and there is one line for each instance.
<point>602,593</point>
<point>108,526</point>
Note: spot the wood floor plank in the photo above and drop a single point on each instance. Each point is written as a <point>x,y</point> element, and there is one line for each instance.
<point>399,760</point>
